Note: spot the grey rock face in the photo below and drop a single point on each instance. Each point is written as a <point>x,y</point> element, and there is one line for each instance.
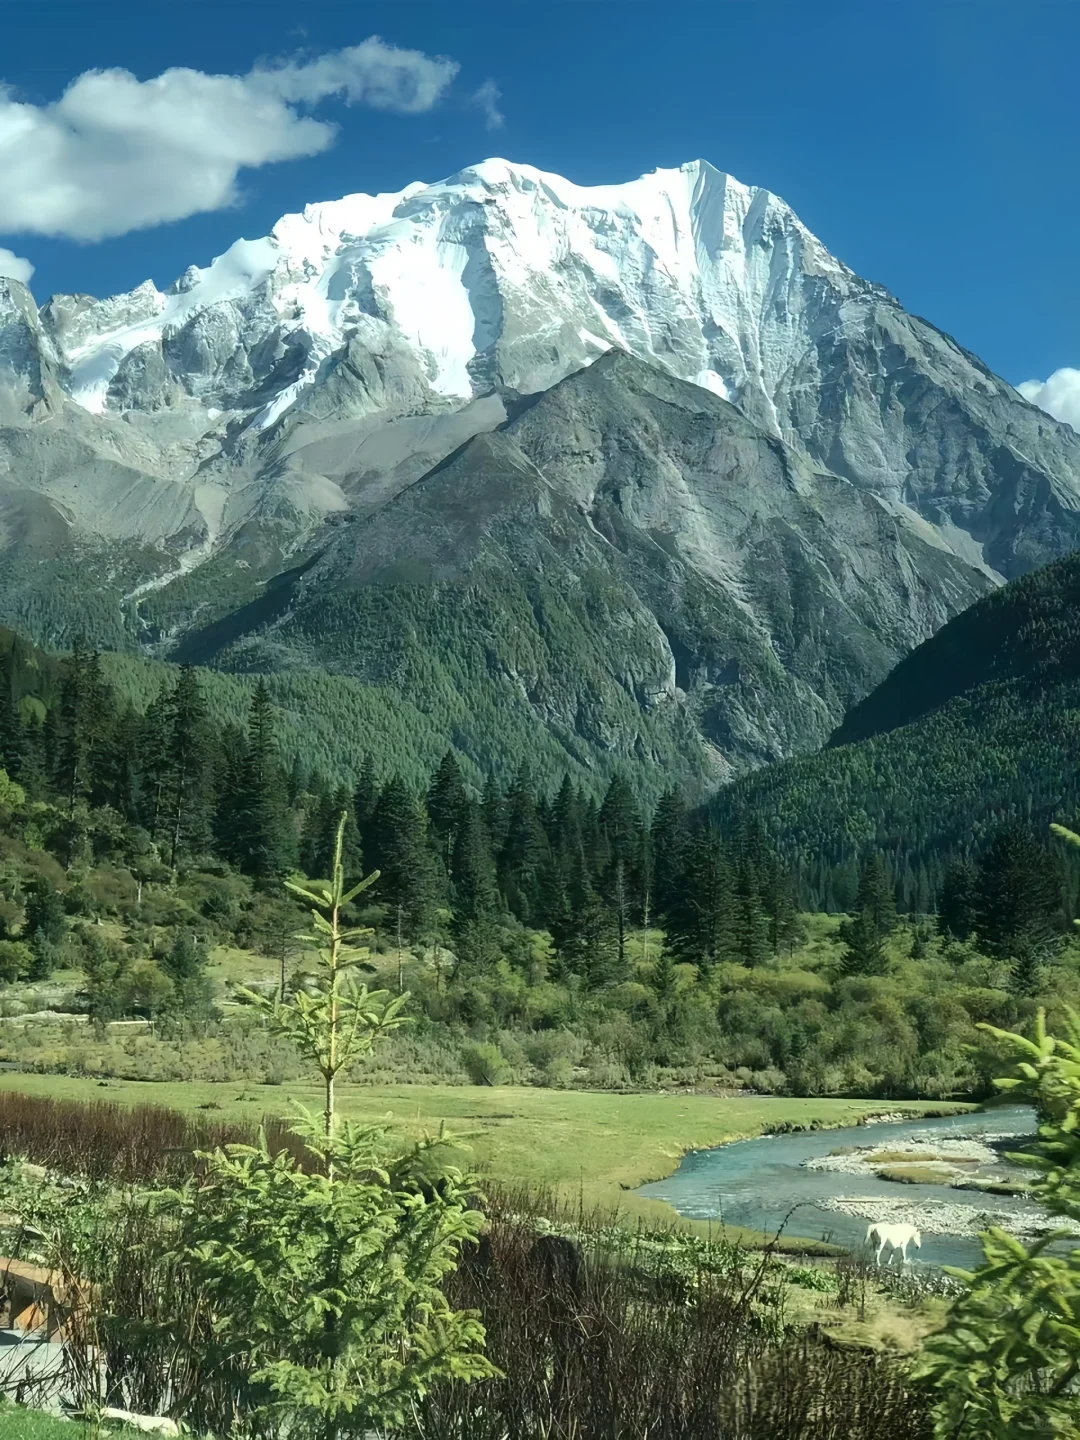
<point>627,538</point>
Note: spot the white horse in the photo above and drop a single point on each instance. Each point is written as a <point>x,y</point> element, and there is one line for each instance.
<point>893,1237</point>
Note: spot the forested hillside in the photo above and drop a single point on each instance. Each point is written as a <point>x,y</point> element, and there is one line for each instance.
<point>978,727</point>
<point>549,933</point>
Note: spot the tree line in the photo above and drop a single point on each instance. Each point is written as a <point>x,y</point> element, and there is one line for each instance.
<point>169,788</point>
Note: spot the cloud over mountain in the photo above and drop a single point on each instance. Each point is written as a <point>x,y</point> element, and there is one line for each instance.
<point>116,153</point>
<point>1059,396</point>
<point>14,267</point>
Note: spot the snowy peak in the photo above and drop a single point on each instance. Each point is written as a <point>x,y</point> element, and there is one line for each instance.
<point>501,277</point>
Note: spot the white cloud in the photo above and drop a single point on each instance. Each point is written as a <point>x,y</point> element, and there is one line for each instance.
<point>115,153</point>
<point>487,98</point>
<point>14,267</point>
<point>1059,396</point>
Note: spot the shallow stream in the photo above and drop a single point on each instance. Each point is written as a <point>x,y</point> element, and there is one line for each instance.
<point>765,1183</point>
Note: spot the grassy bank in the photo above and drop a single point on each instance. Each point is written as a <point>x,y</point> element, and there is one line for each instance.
<point>596,1146</point>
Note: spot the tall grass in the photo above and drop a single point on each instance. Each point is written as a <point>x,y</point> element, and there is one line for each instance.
<point>596,1344</point>
<point>101,1140</point>
<point>600,1333</point>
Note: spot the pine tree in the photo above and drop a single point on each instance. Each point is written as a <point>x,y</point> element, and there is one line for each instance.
<point>258,831</point>
<point>752,927</point>
<point>668,835</point>
<point>524,852</point>
<point>397,846</point>
<point>864,936</point>
<point>956,908</point>
<point>44,926</point>
<point>186,799</point>
<point>366,793</point>
<point>778,901</point>
<point>621,882</point>
<point>84,726</point>
<point>875,894</point>
<point>1018,904</point>
<point>474,894</point>
<point>590,950</point>
<point>12,738</point>
<point>446,799</point>
<point>318,831</point>
<point>864,951</point>
<point>664,977</point>
<point>185,963</point>
<point>701,923</point>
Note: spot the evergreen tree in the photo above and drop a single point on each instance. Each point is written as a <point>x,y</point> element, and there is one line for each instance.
<point>751,921</point>
<point>1018,904</point>
<point>44,926</point>
<point>185,963</point>
<point>664,977</point>
<point>524,852</point>
<point>446,799</point>
<point>778,902</point>
<point>701,925</point>
<point>257,828</point>
<point>84,728</point>
<point>365,794</point>
<point>668,847</point>
<point>874,896</point>
<point>12,739</point>
<point>864,951</point>
<point>186,799</point>
<point>864,936</point>
<point>397,846</point>
<point>317,834</point>
<point>956,907</point>
<point>474,894</point>
<point>621,880</point>
<point>590,949</point>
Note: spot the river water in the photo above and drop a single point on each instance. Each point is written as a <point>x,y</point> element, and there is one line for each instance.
<point>764,1183</point>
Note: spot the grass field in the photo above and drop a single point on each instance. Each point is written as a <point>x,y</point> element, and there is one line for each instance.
<point>19,1424</point>
<point>595,1145</point>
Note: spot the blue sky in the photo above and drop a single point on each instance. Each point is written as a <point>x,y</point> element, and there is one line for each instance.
<point>932,146</point>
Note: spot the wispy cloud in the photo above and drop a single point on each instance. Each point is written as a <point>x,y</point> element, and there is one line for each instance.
<point>115,153</point>
<point>1059,396</point>
<point>487,98</point>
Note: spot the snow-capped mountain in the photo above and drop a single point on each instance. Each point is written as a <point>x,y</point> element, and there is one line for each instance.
<point>500,276</point>
<point>189,446</point>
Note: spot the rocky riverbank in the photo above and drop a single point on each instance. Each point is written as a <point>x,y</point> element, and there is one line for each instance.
<point>946,1217</point>
<point>971,1162</point>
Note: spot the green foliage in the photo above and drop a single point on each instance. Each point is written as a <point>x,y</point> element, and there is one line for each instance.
<point>12,796</point>
<point>16,960</point>
<point>1017,904</point>
<point>486,1065</point>
<point>335,1020</point>
<point>1007,1364</point>
<point>321,1289</point>
<point>975,730</point>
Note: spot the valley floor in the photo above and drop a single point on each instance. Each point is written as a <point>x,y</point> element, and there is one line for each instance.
<point>593,1146</point>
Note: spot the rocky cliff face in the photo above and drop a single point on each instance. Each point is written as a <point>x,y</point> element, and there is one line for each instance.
<point>177,452</point>
<point>629,557</point>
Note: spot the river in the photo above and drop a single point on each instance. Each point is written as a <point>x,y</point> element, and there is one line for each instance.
<point>764,1183</point>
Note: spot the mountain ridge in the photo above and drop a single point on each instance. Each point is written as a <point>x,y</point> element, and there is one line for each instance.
<point>171,461</point>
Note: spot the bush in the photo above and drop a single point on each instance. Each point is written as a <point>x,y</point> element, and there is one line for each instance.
<point>486,1064</point>
<point>16,960</point>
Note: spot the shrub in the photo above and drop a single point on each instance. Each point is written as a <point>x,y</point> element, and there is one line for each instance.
<point>16,960</point>
<point>486,1064</point>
